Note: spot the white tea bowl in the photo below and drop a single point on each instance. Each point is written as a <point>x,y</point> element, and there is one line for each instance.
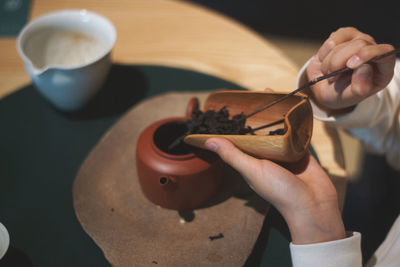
<point>67,55</point>
<point>4,240</point>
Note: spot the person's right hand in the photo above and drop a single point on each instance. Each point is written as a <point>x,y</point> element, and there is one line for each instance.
<point>352,48</point>
<point>304,196</point>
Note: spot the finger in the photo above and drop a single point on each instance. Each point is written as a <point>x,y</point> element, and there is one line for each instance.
<point>268,90</point>
<point>339,56</point>
<point>362,82</point>
<point>386,71</point>
<point>313,72</point>
<point>314,69</point>
<point>369,52</point>
<point>340,36</point>
<point>349,33</point>
<point>325,49</point>
<point>242,162</point>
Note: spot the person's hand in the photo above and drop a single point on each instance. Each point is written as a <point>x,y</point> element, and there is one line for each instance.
<point>352,48</point>
<point>306,198</point>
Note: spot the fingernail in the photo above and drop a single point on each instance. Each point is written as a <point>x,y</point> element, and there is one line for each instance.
<point>211,146</point>
<point>353,62</point>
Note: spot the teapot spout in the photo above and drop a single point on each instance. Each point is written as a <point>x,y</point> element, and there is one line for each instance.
<point>167,182</point>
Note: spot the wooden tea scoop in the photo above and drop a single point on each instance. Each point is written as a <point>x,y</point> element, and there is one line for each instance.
<point>293,116</point>
<point>318,79</point>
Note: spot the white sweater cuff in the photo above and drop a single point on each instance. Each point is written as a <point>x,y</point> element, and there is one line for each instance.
<point>360,117</point>
<point>343,252</point>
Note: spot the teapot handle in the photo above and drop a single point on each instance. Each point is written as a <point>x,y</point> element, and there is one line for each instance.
<point>193,105</point>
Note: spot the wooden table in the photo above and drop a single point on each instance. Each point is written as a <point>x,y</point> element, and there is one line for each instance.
<point>180,34</point>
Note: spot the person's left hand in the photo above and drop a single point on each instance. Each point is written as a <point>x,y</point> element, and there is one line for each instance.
<point>305,196</point>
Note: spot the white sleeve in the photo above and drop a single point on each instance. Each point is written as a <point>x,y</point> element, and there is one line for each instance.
<point>388,253</point>
<point>343,252</point>
<point>375,121</point>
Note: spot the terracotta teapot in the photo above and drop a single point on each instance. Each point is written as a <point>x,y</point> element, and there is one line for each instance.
<point>181,178</point>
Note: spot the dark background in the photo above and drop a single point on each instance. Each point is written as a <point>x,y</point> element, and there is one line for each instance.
<point>313,19</point>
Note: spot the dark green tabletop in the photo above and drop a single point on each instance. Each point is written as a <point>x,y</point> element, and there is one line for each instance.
<point>41,150</point>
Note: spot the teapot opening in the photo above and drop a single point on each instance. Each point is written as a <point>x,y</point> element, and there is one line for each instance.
<point>167,133</point>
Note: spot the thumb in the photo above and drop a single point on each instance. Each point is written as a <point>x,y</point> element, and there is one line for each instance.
<point>362,82</point>
<point>237,159</point>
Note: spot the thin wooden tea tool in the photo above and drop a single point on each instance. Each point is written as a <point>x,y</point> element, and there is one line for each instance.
<point>318,79</point>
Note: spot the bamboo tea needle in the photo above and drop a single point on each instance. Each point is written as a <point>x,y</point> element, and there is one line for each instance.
<point>318,79</point>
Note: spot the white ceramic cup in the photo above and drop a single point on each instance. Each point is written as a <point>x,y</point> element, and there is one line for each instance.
<point>4,240</point>
<point>85,62</point>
